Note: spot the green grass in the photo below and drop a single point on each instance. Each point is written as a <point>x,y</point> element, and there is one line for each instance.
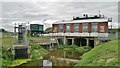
<point>18,62</point>
<point>37,52</point>
<point>102,55</point>
<point>75,48</point>
<point>7,41</point>
<point>40,37</point>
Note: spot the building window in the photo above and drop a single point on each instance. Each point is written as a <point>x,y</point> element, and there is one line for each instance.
<point>102,28</point>
<point>94,27</point>
<point>67,27</point>
<point>61,28</point>
<point>85,27</point>
<point>76,27</point>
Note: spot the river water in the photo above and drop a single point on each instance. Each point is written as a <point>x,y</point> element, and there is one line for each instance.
<point>55,59</point>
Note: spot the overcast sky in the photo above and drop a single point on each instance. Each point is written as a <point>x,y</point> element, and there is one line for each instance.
<point>50,12</point>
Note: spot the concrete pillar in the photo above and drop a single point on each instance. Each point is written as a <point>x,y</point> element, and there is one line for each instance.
<point>80,42</point>
<point>87,39</point>
<point>72,41</point>
<point>96,42</point>
<point>65,40</point>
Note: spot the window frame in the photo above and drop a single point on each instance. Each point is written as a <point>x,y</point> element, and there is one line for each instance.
<point>68,29</point>
<point>102,28</point>
<point>85,26</point>
<point>95,27</point>
<point>76,25</point>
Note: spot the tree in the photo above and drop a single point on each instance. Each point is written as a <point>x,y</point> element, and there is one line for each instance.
<point>48,30</point>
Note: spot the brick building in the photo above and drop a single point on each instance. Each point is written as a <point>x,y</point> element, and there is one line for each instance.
<point>81,31</point>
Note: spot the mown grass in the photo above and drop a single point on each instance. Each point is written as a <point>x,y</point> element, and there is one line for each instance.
<point>102,55</point>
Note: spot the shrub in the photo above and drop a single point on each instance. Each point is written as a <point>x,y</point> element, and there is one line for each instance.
<point>7,57</point>
<point>73,46</point>
<point>87,47</point>
<point>60,47</point>
<point>83,49</point>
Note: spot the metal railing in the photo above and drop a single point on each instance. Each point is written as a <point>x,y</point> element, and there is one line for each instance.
<point>80,34</point>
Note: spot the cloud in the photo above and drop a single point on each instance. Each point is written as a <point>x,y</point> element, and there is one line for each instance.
<point>60,0</point>
<point>52,11</point>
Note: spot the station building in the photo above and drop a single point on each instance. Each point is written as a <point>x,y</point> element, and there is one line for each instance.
<point>81,31</point>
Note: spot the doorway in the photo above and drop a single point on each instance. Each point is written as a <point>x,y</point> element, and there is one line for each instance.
<point>91,43</point>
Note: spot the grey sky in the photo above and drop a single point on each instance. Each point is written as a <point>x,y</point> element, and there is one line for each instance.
<point>52,11</point>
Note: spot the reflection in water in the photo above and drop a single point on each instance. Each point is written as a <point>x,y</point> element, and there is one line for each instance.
<point>56,59</point>
<point>47,63</point>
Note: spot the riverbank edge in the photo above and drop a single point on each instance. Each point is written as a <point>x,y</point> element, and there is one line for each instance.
<point>27,61</point>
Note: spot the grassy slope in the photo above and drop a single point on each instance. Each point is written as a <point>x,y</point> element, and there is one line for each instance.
<point>102,55</point>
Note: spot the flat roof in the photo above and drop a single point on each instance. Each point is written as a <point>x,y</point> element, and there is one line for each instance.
<point>83,21</point>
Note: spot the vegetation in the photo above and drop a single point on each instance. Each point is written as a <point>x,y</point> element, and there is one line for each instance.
<point>47,30</point>
<point>18,62</point>
<point>37,51</point>
<point>113,30</point>
<point>67,47</point>
<point>7,57</point>
<point>40,37</point>
<point>3,30</point>
<point>5,33</point>
<point>7,41</point>
<point>83,49</point>
<point>75,48</point>
<point>103,55</point>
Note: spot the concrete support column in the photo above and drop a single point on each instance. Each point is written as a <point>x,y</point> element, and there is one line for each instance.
<point>96,41</point>
<point>80,42</point>
<point>65,40</point>
<point>87,41</point>
<point>72,41</point>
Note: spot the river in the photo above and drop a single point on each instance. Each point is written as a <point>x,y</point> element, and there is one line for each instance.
<point>55,59</point>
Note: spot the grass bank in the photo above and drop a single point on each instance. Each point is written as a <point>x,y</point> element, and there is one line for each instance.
<point>102,55</point>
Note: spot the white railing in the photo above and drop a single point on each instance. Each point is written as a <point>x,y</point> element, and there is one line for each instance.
<point>80,34</point>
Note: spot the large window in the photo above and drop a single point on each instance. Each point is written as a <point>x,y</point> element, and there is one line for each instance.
<point>102,28</point>
<point>61,28</point>
<point>67,27</point>
<point>76,27</point>
<point>85,27</point>
<point>94,27</point>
